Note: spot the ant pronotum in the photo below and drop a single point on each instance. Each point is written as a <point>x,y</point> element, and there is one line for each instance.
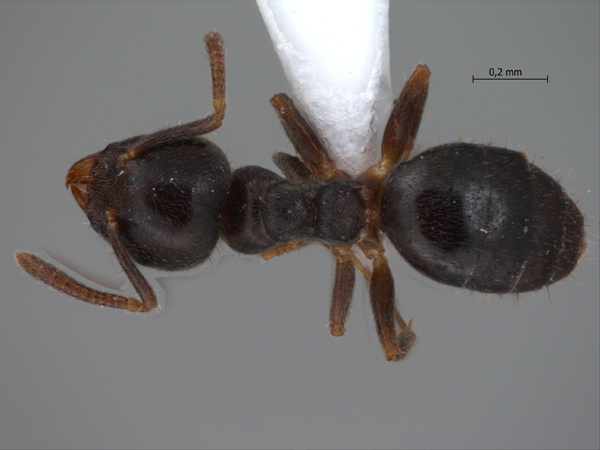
<point>472,216</point>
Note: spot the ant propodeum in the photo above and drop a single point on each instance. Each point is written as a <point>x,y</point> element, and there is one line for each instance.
<point>473,216</point>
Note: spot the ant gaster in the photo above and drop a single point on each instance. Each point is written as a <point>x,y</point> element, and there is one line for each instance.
<point>473,216</point>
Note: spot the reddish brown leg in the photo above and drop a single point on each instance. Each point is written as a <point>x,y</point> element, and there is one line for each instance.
<point>407,337</point>
<point>304,139</point>
<point>381,292</point>
<point>216,52</point>
<point>140,283</point>
<point>343,289</point>
<point>402,126</point>
<point>282,249</point>
<point>292,167</point>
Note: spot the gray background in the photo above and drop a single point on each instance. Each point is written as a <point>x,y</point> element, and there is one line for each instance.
<point>239,355</point>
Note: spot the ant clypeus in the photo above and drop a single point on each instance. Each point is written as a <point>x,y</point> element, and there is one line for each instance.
<point>472,216</point>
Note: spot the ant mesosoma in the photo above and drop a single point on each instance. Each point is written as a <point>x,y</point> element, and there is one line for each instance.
<point>473,216</point>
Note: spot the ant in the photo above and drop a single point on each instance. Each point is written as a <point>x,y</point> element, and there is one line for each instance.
<point>472,216</point>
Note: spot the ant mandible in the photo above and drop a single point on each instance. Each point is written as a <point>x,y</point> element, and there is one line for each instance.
<point>473,216</point>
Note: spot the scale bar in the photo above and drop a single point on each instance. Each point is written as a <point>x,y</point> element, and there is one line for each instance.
<point>502,78</point>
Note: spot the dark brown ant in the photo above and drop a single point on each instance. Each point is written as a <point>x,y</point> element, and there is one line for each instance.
<point>472,216</point>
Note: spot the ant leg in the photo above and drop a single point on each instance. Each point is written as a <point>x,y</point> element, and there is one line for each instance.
<point>292,167</point>
<point>282,249</point>
<point>140,283</point>
<point>382,295</point>
<point>216,52</point>
<point>381,292</point>
<point>360,266</point>
<point>304,139</point>
<point>343,289</point>
<point>59,280</point>
<point>403,125</point>
<point>407,337</point>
